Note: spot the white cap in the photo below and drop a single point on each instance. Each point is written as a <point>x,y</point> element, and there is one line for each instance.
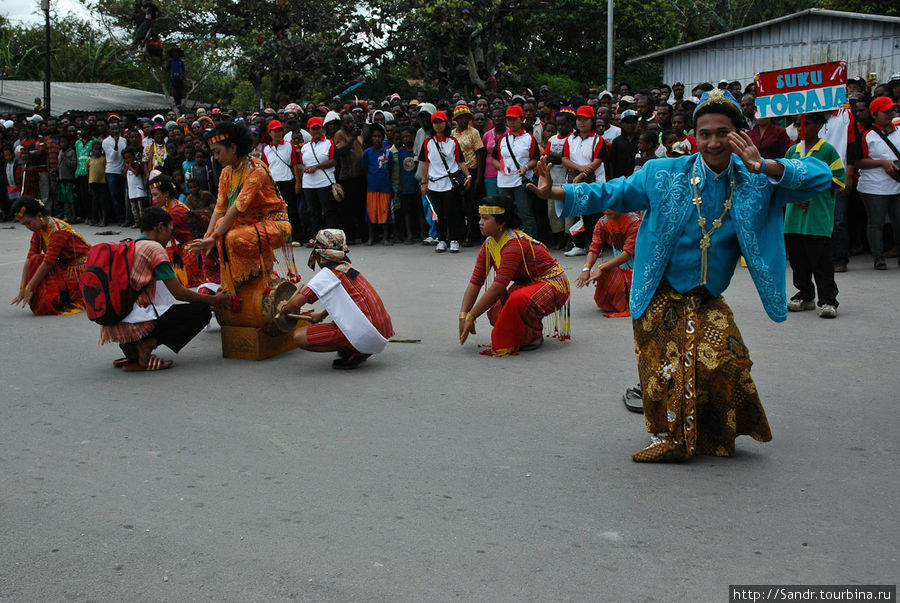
<point>427,108</point>
<point>159,117</point>
<point>36,118</point>
<point>331,116</point>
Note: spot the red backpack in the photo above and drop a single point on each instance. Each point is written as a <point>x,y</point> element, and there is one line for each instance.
<point>106,285</point>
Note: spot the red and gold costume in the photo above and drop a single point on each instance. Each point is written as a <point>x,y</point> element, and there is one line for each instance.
<point>187,225</point>
<point>613,285</point>
<point>59,245</point>
<point>539,288</point>
<point>248,248</point>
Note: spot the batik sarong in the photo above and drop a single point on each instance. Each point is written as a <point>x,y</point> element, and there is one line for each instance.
<point>695,373</point>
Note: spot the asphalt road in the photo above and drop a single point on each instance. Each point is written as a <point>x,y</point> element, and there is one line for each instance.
<point>433,473</point>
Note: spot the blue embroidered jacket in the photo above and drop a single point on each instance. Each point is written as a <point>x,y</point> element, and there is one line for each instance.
<point>668,242</point>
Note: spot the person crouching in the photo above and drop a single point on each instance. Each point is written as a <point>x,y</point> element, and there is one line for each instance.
<point>156,319</point>
<point>361,325</point>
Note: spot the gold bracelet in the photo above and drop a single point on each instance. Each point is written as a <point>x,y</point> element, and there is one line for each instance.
<point>462,315</point>
<point>470,318</point>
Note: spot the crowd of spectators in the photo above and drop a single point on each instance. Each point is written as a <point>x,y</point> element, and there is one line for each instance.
<point>94,168</point>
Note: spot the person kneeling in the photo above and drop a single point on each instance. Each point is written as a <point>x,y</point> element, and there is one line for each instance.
<point>156,319</point>
<point>539,286</point>
<point>361,325</point>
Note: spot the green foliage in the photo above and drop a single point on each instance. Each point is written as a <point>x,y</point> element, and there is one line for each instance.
<point>870,7</point>
<point>561,85</point>
<point>236,51</point>
<point>244,96</point>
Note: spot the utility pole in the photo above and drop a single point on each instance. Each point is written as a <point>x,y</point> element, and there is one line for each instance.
<point>609,45</point>
<point>45,6</point>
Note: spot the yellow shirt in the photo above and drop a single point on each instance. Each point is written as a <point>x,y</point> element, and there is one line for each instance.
<point>469,141</point>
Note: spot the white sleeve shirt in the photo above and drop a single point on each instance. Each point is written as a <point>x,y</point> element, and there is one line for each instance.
<point>438,174</point>
<point>313,153</point>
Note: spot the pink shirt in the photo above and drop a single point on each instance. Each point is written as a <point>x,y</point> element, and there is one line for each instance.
<point>490,139</point>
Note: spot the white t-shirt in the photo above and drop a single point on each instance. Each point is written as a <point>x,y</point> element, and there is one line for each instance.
<point>280,159</point>
<point>525,149</point>
<point>612,132</point>
<point>556,144</point>
<point>836,131</point>
<point>584,151</point>
<point>313,153</point>
<point>114,162</point>
<point>438,175</point>
<point>135,185</point>
<point>876,181</point>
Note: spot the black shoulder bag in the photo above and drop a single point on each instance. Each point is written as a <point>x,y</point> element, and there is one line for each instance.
<point>457,178</point>
<point>896,174</point>
<point>525,179</point>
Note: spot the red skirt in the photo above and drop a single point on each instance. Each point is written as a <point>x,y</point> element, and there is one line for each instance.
<point>327,337</point>
<point>611,293</point>
<point>59,292</point>
<point>518,316</point>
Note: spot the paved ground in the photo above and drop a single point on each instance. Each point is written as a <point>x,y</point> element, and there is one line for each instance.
<point>433,473</point>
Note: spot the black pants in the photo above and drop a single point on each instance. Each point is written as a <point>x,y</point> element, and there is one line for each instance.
<point>286,187</point>
<point>181,323</point>
<point>448,207</point>
<point>353,208</point>
<point>322,208</point>
<point>810,257</point>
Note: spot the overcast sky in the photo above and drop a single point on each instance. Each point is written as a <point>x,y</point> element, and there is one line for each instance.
<point>29,11</point>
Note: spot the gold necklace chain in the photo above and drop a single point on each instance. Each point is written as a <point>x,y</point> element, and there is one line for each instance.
<point>701,221</point>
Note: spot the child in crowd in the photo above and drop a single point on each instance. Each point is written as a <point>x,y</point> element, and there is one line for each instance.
<point>201,173</point>
<point>101,207</point>
<point>180,184</point>
<point>188,164</point>
<point>808,227</point>
<point>378,163</point>
<point>198,198</point>
<point>68,161</point>
<point>12,180</point>
<point>647,145</point>
<point>410,204</point>
<point>134,182</point>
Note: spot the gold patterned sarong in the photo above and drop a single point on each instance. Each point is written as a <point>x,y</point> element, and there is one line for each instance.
<point>695,373</point>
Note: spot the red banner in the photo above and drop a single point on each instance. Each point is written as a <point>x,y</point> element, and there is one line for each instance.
<point>798,79</point>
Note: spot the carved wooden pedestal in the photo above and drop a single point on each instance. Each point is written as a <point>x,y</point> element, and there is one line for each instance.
<point>252,343</point>
<point>248,334</point>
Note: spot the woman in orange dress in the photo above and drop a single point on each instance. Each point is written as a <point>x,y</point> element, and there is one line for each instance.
<point>528,285</point>
<point>250,221</point>
<point>56,259</point>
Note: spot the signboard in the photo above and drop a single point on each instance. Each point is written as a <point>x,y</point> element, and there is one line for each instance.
<point>806,89</point>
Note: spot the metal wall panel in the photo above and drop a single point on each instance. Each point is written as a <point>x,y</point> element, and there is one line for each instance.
<point>867,45</point>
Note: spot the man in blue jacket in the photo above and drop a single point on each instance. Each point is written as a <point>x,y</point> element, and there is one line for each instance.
<point>702,212</point>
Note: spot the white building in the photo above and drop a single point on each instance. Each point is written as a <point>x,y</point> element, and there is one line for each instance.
<point>869,43</point>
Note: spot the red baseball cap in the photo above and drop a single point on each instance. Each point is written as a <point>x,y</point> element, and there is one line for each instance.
<point>439,115</point>
<point>216,111</point>
<point>313,122</point>
<point>275,125</point>
<point>585,111</point>
<point>515,111</point>
<point>881,103</point>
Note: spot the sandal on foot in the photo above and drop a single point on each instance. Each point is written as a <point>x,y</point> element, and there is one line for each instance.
<point>120,362</point>
<point>154,364</point>
<point>633,399</point>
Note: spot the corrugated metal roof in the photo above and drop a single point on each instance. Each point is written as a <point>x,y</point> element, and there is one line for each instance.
<point>810,11</point>
<point>81,97</point>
